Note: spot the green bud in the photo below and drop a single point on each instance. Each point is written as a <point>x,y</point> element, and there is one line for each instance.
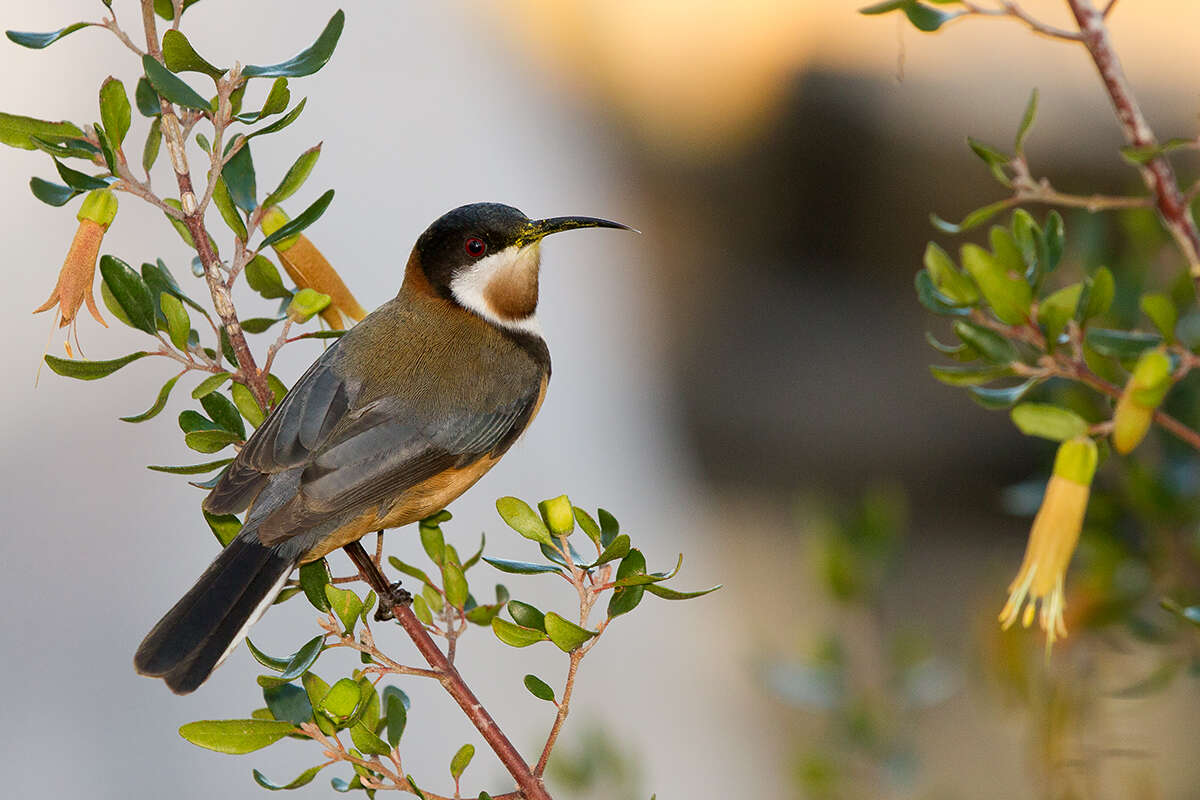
<point>306,303</point>
<point>1151,378</point>
<point>99,206</point>
<point>557,514</point>
<point>1076,460</point>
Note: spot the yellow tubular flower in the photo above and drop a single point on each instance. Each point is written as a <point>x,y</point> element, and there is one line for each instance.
<point>1052,541</point>
<point>75,279</point>
<point>309,269</point>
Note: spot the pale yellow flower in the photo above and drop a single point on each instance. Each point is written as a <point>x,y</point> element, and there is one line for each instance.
<point>1038,588</point>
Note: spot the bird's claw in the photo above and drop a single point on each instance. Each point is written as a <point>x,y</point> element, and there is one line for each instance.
<point>396,596</point>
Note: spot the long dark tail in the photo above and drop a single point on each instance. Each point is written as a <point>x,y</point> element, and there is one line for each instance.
<point>196,635</point>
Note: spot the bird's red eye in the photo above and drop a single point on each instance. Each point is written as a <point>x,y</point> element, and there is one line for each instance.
<point>475,247</point>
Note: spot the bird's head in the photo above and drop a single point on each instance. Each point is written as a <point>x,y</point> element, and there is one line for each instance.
<point>485,257</point>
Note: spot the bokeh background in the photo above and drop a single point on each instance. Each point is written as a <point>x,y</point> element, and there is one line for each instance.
<point>731,384</point>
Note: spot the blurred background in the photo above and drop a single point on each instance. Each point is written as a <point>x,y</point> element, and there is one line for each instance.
<point>745,382</point>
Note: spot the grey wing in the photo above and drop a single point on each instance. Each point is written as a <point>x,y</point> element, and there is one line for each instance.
<point>288,437</point>
<point>381,452</point>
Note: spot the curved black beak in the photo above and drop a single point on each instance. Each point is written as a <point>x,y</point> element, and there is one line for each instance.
<point>540,228</point>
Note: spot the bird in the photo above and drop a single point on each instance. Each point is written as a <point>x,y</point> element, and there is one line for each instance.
<point>397,418</point>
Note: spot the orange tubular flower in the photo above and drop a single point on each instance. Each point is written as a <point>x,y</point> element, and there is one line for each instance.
<point>309,269</point>
<point>74,287</point>
<point>1052,542</point>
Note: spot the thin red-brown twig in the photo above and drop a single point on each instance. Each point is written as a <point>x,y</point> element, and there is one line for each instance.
<point>530,784</point>
<point>1157,173</point>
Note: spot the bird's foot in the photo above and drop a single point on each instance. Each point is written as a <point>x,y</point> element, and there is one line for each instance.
<point>397,596</point>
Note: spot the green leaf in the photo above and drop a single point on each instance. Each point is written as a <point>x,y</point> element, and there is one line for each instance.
<point>303,779</point>
<point>1056,310</point>
<point>968,374</point>
<point>1055,240</point>
<point>395,707</point>
<point>991,345</point>
<point>222,411</point>
<point>367,741</point>
<point>539,688</point>
<point>589,526</point>
<point>340,703</point>
<point>947,279</point>
<point>146,100</point>
<point>210,385</point>
<point>995,160</point>
<point>521,518</point>
<point>36,41</point>
<point>454,583</point>
<point>288,702</point>
<point>243,398</point>
<point>1026,122</point>
<point>1048,421</point>
<point>1121,344</point>
<point>658,590</point>
<point>153,143</point>
<point>235,736</point>
<point>195,469</point>
<point>1141,156</point>
<point>67,148</point>
<point>276,102</point>
<point>1099,289</point>
<point>566,635</point>
<point>180,56</point>
<point>972,220</point>
<point>461,760</point>
<point>238,175</point>
<point>114,110</point>
<point>260,324</point>
<point>1162,312</point>
<point>433,542</point>
<point>927,19</point>
<point>90,370</point>
<point>346,604</point>
<point>159,403</point>
<point>229,212</point>
<point>190,421</point>
<point>517,567</point>
<point>295,177</point>
<point>178,322</point>
<point>78,180</point>
<point>293,666</point>
<point>515,635</point>
<point>106,148</point>
<point>280,123</point>
<point>527,616</point>
<point>626,598</point>
<point>617,548</point>
<point>929,296</point>
<point>1008,295</point>
<point>18,131</point>
<point>52,194</point>
<point>172,88</point>
<point>263,277</point>
<point>314,577</point>
<point>307,217</point>
<point>210,441</point>
<point>224,526</point>
<point>308,61</point>
<point>1004,397</point>
<point>609,527</point>
<point>408,569</point>
<point>130,292</point>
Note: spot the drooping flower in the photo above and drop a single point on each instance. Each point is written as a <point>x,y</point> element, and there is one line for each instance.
<point>309,269</point>
<point>1038,587</point>
<point>1147,386</point>
<point>75,279</point>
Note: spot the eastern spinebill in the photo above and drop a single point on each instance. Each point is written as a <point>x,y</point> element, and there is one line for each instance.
<point>396,419</point>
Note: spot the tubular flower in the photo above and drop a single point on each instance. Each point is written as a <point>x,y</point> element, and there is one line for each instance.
<point>1147,386</point>
<point>1052,542</point>
<point>310,270</point>
<point>74,287</point>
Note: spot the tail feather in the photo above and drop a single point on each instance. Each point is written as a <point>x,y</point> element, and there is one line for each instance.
<point>196,635</point>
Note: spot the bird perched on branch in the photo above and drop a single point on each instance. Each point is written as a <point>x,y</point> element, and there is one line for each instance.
<point>396,419</point>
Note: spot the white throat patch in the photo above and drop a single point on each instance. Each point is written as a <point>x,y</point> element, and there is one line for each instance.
<point>470,286</point>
